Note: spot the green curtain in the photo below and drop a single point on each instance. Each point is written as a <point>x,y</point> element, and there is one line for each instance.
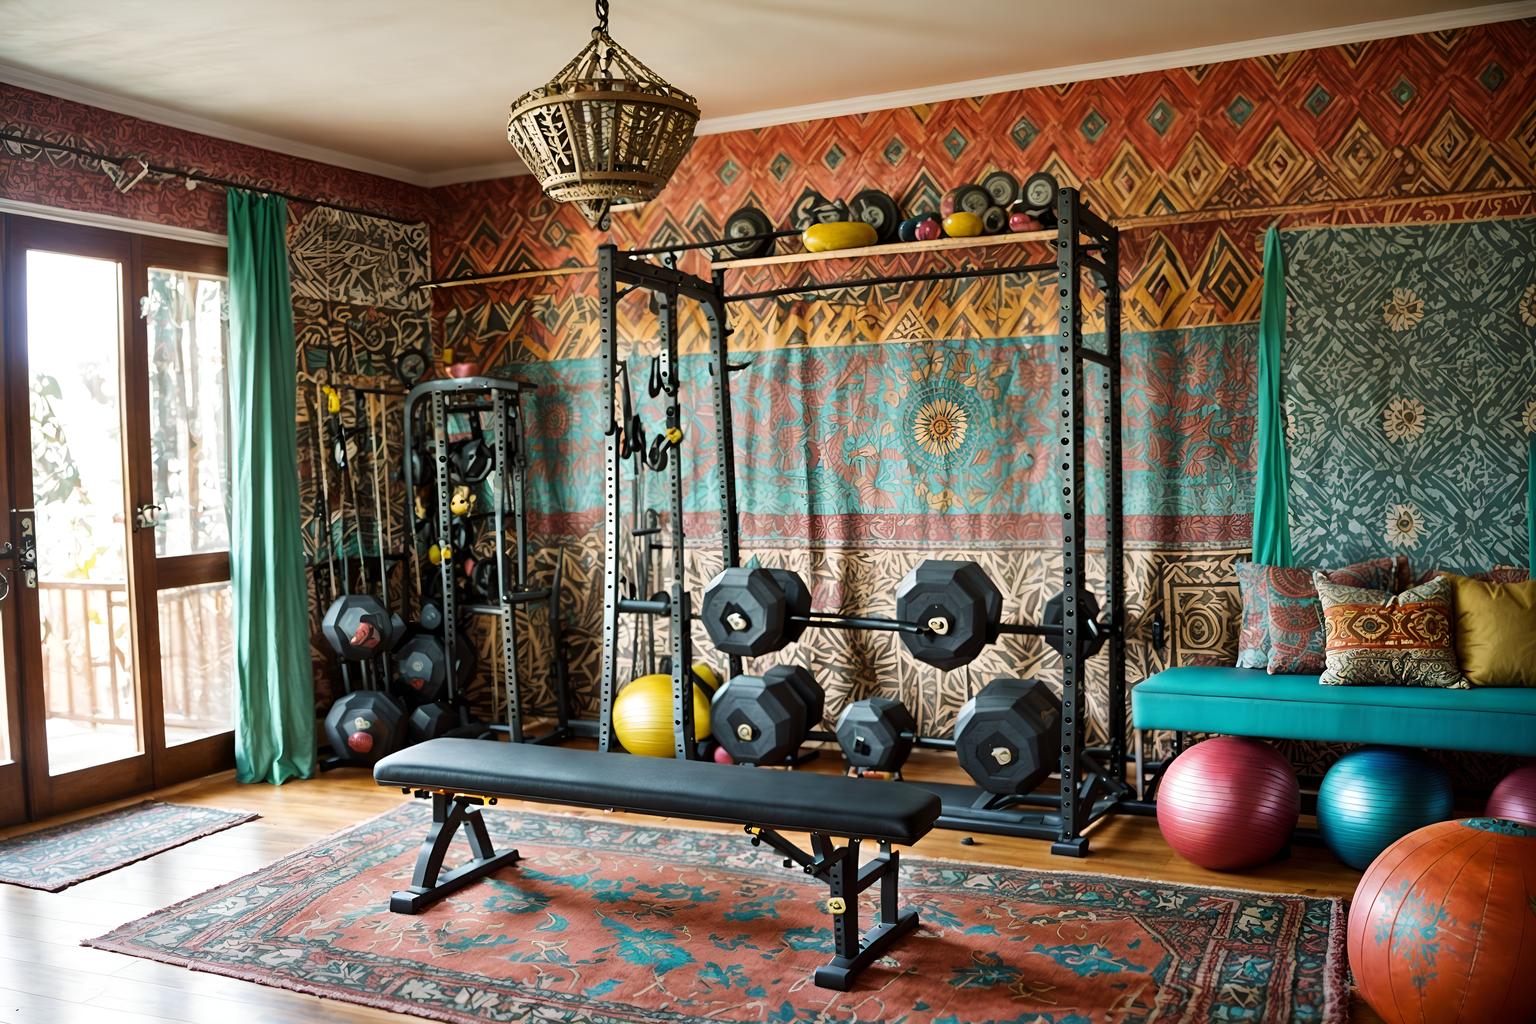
<point>275,706</point>
<point>1530,505</point>
<point>1272,469</point>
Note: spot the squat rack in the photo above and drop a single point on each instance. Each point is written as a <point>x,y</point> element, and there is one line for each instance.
<point>1092,784</point>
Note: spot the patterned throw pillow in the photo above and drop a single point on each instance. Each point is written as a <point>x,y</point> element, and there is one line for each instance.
<point>1295,627</point>
<point>1377,639</point>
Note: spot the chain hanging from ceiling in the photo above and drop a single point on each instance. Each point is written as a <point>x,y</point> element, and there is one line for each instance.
<point>605,130</point>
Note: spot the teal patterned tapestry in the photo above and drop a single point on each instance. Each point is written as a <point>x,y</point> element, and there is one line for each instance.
<point>935,439</point>
<point>1410,376</point>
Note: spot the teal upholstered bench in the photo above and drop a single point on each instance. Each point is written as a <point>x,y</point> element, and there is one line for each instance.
<point>1250,702</point>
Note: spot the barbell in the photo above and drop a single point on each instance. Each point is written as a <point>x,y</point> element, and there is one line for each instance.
<point>947,612</point>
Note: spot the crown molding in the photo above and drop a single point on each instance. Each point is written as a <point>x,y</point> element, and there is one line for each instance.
<point>66,90</point>
<point>1215,54</point>
<point>1312,40</point>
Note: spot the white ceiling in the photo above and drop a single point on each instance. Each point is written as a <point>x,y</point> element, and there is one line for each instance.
<point>419,91</point>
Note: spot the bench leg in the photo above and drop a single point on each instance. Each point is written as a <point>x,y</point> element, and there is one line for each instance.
<point>845,881</point>
<point>428,884</point>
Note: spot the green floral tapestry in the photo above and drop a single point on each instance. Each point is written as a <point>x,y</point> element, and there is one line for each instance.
<point>1410,380</point>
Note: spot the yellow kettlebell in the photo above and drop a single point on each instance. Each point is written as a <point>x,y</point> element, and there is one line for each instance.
<point>839,234</point>
<point>438,555</point>
<point>642,715</point>
<point>962,224</point>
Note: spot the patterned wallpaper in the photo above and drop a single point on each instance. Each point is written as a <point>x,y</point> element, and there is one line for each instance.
<point>1193,163</point>
<point>1411,392</point>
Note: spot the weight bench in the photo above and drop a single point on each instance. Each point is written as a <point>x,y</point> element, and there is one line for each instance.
<point>459,775</point>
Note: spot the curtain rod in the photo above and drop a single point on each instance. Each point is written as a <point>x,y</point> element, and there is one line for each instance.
<point>193,176</point>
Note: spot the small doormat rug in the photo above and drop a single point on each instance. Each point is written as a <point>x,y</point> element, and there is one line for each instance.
<point>56,858</point>
<point>604,921</point>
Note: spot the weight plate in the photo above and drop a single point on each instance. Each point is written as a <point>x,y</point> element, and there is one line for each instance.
<point>879,211</point>
<point>994,221</point>
<point>972,199</point>
<point>1040,191</point>
<point>1002,187</point>
<point>411,366</point>
<point>803,214</point>
<point>747,221</point>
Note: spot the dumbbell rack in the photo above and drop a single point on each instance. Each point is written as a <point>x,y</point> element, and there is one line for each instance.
<point>502,398</point>
<point>1092,784</point>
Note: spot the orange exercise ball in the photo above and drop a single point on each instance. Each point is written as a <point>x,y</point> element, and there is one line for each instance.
<point>1443,925</point>
<point>642,715</point>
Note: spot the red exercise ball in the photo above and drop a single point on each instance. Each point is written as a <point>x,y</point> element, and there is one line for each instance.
<point>1514,798</point>
<point>1228,803</point>
<point>1443,925</point>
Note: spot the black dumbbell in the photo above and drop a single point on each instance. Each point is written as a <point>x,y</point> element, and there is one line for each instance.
<point>1007,737</point>
<point>365,725</point>
<point>876,734</point>
<point>358,627</point>
<point>764,719</point>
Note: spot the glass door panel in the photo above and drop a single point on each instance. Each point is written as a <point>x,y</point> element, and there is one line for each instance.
<point>187,316</point>
<point>197,661</point>
<point>187,341</point>
<point>73,356</point>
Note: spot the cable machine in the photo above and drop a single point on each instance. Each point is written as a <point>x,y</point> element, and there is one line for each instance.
<point>1092,784</point>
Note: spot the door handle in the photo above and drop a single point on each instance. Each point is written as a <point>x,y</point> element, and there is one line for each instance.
<point>24,553</point>
<point>146,517</point>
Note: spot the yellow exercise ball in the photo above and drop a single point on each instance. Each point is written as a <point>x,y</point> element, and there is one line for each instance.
<point>705,673</point>
<point>642,715</point>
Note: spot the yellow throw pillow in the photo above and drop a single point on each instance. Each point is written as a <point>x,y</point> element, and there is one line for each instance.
<point>1496,631</point>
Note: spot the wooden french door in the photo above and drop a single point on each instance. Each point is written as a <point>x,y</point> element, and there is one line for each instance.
<point>115,482</point>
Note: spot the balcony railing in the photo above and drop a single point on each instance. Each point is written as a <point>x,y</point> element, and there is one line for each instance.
<point>88,654</point>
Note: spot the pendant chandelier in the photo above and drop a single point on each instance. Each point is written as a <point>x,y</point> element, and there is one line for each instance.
<point>605,130</point>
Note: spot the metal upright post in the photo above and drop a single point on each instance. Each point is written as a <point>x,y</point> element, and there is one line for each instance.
<point>725,435</point>
<point>1072,452</point>
<point>607,682</point>
<point>680,608</point>
<point>444,543</point>
<point>1114,511</point>
<point>518,456</point>
<point>506,614</point>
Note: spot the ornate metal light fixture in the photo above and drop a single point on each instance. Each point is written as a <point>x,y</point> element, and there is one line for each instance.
<point>605,130</point>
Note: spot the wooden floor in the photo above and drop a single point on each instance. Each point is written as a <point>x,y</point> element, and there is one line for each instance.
<point>45,976</point>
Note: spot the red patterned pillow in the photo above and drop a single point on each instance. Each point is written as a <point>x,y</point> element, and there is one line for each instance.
<point>1295,631</point>
<point>1376,638</point>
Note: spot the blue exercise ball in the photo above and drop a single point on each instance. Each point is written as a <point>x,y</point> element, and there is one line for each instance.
<point>1373,797</point>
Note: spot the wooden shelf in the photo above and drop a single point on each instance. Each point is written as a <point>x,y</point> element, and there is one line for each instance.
<point>893,249</point>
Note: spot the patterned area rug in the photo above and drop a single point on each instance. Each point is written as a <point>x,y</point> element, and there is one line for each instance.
<point>58,857</point>
<point>607,922</point>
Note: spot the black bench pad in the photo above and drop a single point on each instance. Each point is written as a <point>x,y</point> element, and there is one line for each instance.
<point>703,791</point>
